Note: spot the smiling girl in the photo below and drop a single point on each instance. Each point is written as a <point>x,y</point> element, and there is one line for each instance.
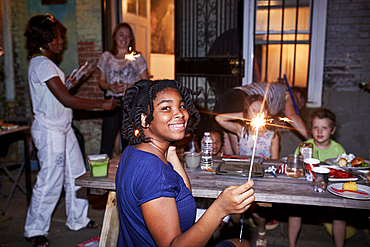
<point>156,207</point>
<point>116,74</point>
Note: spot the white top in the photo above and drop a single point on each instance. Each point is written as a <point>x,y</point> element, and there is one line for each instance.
<point>47,109</point>
<point>121,70</point>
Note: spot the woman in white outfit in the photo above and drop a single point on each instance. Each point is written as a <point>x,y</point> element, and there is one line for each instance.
<point>58,151</point>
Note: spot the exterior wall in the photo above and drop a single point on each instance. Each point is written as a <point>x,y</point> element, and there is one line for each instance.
<point>89,36</point>
<point>83,21</point>
<point>347,63</point>
<point>20,17</point>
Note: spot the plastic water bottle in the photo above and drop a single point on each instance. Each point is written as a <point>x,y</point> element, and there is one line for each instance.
<point>207,145</point>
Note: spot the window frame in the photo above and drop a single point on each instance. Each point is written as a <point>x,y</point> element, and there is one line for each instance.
<point>317,49</point>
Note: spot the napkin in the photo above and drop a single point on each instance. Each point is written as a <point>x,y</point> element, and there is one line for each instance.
<point>282,169</point>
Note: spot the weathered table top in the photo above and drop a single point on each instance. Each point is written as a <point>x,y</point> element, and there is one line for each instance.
<point>14,130</point>
<point>267,189</point>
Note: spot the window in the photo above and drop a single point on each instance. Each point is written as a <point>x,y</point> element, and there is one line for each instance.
<point>137,7</point>
<point>286,37</point>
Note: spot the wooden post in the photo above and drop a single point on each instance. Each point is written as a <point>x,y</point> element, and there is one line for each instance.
<point>110,229</point>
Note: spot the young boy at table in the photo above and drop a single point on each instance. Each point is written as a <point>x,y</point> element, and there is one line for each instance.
<point>267,145</point>
<point>321,125</point>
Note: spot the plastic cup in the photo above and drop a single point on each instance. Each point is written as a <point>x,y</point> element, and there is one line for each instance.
<point>192,160</point>
<point>320,178</point>
<point>98,165</point>
<point>310,163</point>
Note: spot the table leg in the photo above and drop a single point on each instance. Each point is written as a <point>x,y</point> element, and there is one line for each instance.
<point>110,228</point>
<point>27,161</point>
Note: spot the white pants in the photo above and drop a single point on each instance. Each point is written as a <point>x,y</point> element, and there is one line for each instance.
<point>61,162</point>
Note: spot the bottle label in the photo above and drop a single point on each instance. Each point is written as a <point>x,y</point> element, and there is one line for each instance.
<point>206,161</point>
<point>306,153</point>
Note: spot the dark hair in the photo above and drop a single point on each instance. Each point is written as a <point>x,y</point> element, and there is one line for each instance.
<point>321,114</point>
<point>139,99</point>
<point>114,49</point>
<point>207,124</point>
<point>253,98</point>
<point>302,94</point>
<point>41,30</point>
<point>217,129</point>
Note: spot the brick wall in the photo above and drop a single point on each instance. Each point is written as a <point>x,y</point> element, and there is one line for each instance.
<point>20,17</point>
<point>89,36</point>
<point>347,54</point>
<point>347,62</point>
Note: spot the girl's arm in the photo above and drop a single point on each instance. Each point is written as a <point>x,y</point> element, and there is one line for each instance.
<point>225,121</point>
<point>174,159</point>
<point>162,220</point>
<point>58,89</point>
<point>144,75</point>
<point>275,146</point>
<point>297,122</point>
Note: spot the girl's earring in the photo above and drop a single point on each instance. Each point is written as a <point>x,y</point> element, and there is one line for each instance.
<point>42,49</point>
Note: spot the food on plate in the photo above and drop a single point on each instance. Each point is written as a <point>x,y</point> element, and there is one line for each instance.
<point>350,186</point>
<point>357,161</point>
<point>364,164</point>
<point>338,173</point>
<point>7,126</point>
<point>342,162</point>
<point>368,177</point>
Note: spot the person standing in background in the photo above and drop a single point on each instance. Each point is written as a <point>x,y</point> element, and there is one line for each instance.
<point>58,152</point>
<point>117,73</point>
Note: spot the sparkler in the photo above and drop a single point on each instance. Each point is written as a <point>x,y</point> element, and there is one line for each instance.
<point>285,119</point>
<point>132,56</point>
<point>257,122</point>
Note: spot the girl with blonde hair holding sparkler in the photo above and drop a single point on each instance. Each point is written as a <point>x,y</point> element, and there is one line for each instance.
<point>267,144</point>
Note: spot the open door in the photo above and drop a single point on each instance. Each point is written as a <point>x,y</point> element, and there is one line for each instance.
<point>137,14</point>
<point>208,47</point>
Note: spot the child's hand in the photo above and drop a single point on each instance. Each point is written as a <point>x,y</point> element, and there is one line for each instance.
<point>236,199</point>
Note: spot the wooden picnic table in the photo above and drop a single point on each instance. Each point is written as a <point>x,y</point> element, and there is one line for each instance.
<point>268,189</point>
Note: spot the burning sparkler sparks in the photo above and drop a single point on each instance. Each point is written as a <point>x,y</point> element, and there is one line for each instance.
<point>285,119</point>
<point>132,56</point>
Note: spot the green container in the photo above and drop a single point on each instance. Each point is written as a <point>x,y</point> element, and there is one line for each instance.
<point>98,165</point>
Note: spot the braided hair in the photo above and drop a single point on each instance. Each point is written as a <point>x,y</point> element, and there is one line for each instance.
<point>139,99</point>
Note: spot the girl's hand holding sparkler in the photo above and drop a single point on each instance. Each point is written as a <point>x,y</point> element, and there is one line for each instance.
<point>235,199</point>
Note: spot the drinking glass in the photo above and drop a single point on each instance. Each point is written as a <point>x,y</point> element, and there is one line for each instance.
<point>294,166</point>
<point>192,160</point>
<point>315,154</point>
